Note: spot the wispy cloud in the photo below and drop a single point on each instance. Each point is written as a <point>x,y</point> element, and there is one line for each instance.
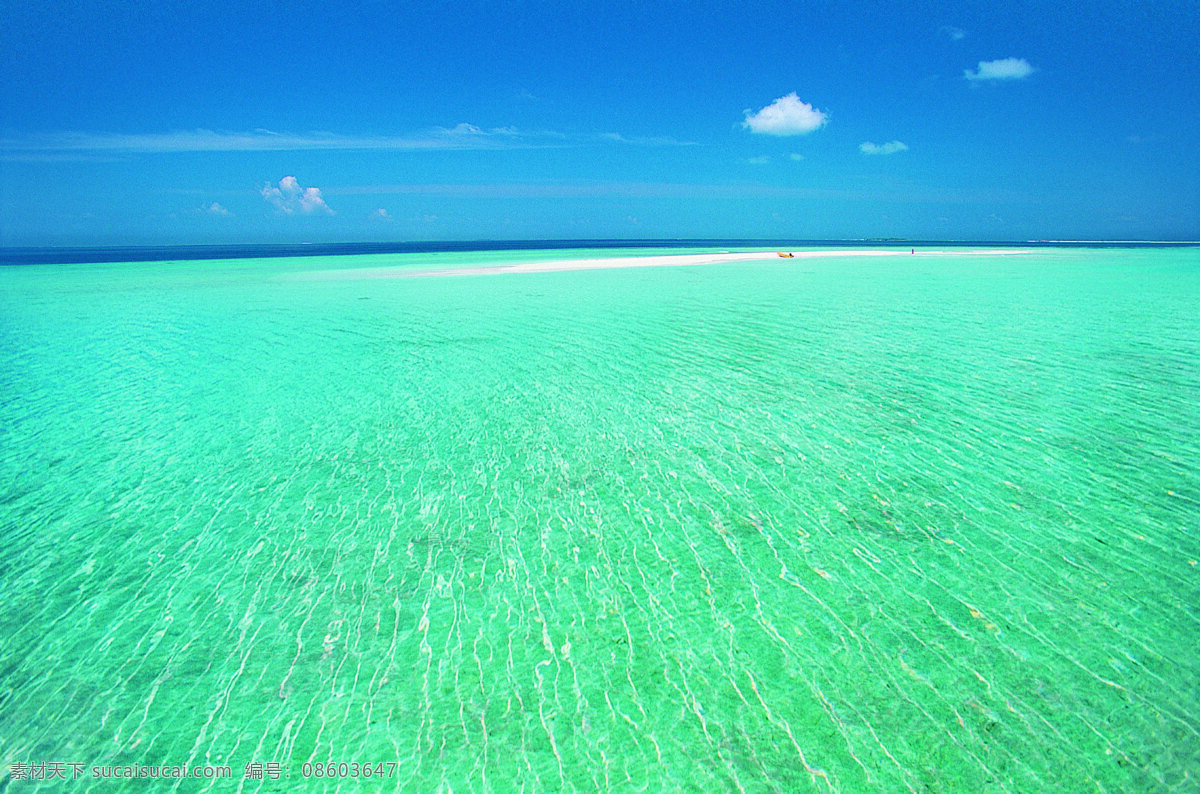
<point>211,141</point>
<point>639,140</point>
<point>289,197</point>
<point>891,147</point>
<point>953,33</point>
<point>1002,69</point>
<point>214,209</point>
<point>786,116</point>
<point>684,190</point>
<point>466,136</point>
<point>760,160</point>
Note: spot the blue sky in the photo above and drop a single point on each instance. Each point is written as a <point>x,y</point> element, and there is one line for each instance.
<point>171,122</point>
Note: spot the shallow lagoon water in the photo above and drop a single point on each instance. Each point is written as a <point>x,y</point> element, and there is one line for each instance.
<point>911,523</point>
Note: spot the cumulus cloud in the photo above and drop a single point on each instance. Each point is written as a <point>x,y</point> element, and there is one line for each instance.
<point>290,197</point>
<point>1003,69</point>
<point>891,147</point>
<point>786,116</point>
<point>381,214</point>
<point>311,201</point>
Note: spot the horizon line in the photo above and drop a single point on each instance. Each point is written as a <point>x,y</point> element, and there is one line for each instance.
<point>651,240</point>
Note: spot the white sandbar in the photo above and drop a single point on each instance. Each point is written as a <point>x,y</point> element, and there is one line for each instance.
<point>616,262</point>
<point>681,260</point>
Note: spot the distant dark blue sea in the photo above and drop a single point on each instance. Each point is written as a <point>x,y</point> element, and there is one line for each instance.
<point>169,253</point>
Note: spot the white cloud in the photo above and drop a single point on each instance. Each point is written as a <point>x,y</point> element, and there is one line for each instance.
<point>760,160</point>
<point>91,146</point>
<point>659,140</point>
<point>214,209</point>
<point>795,157</point>
<point>289,197</point>
<point>462,136</point>
<point>276,196</point>
<point>891,147</point>
<point>955,34</point>
<point>593,189</point>
<point>311,201</point>
<point>381,214</point>
<point>1003,69</point>
<point>786,116</point>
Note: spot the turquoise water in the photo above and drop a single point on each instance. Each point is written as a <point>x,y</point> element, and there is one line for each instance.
<point>923,523</point>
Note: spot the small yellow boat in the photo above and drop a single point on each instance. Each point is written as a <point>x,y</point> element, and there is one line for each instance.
<point>785,256</point>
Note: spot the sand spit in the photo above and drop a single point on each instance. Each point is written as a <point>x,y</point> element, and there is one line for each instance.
<point>617,262</point>
<point>682,260</point>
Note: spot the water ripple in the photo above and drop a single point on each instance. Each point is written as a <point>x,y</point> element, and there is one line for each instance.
<point>914,524</point>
